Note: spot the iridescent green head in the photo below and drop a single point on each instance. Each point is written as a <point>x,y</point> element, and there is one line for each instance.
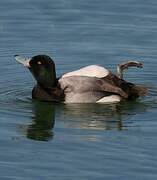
<point>43,69</point>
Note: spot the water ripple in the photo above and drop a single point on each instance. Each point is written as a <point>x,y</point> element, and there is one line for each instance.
<point>88,141</point>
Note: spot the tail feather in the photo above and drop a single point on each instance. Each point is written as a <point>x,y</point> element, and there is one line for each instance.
<point>137,91</point>
<point>133,91</point>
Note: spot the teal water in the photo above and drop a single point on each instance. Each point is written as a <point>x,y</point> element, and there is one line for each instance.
<point>40,140</point>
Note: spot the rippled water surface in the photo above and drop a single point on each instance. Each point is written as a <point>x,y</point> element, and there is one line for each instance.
<point>40,140</point>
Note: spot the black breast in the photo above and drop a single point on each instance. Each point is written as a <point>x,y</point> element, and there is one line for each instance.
<point>54,94</point>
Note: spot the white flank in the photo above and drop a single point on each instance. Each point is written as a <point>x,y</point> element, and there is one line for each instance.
<point>110,99</point>
<point>90,71</point>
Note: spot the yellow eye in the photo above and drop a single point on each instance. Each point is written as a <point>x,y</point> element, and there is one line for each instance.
<point>39,62</point>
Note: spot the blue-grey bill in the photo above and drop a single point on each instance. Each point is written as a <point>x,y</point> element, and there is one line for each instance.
<point>22,60</point>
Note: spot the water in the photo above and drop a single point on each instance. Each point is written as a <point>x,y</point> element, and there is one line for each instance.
<point>41,140</point>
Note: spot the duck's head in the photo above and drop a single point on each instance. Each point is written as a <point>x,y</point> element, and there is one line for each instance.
<point>42,67</point>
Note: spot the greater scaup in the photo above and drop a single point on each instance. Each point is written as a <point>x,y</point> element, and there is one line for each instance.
<point>87,85</point>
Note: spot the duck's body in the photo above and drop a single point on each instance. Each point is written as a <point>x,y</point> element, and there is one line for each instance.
<point>91,84</point>
<point>84,89</point>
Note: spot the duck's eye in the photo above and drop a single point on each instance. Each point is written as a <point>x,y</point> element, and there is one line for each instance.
<point>39,63</point>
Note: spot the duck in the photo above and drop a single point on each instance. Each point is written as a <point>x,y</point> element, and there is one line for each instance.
<point>90,84</point>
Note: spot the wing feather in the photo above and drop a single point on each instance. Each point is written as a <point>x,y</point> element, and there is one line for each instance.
<point>81,84</point>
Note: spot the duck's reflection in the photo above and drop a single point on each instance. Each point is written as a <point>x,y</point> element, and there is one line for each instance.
<point>81,116</point>
<point>100,116</point>
<point>43,121</point>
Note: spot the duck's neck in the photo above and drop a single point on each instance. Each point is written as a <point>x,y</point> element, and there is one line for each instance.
<point>48,83</point>
<point>47,79</point>
<point>48,87</point>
